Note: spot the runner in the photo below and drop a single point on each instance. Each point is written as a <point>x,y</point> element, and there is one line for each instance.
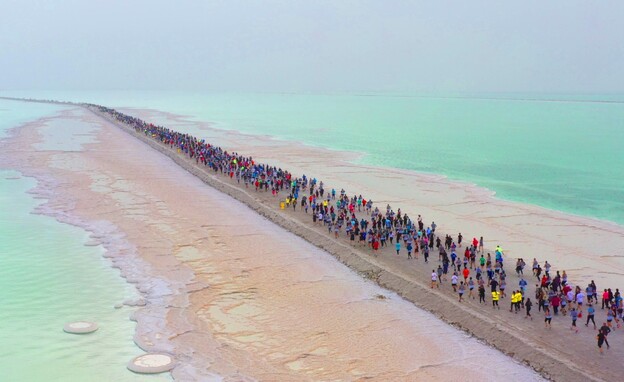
<point>601,338</point>
<point>605,330</point>
<point>434,279</point>
<point>590,315</point>
<point>574,316</point>
<point>527,305</point>
<point>481,294</point>
<point>512,301</point>
<point>495,297</point>
<point>547,318</point>
<point>440,272</point>
<point>454,280</point>
<point>461,290</point>
<point>471,286</point>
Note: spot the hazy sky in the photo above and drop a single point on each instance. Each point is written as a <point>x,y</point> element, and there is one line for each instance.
<point>313,46</point>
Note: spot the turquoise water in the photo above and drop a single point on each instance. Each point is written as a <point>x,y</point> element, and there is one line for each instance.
<point>47,278</point>
<point>557,151</point>
<point>13,113</point>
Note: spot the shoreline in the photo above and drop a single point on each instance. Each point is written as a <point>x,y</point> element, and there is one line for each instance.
<point>407,285</point>
<point>524,228</point>
<point>190,330</point>
<point>156,295</point>
<point>117,253</point>
<point>540,359</point>
<point>356,158</point>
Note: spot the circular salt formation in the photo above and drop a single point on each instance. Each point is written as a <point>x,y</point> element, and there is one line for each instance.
<point>80,327</point>
<point>151,363</point>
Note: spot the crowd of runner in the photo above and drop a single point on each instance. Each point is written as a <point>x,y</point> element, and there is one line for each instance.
<point>465,266</point>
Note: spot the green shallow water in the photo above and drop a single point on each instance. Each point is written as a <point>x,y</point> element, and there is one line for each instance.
<point>13,114</point>
<point>47,278</point>
<point>561,152</point>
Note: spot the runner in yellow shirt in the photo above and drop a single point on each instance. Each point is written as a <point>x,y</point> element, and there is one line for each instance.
<point>513,301</point>
<point>495,298</point>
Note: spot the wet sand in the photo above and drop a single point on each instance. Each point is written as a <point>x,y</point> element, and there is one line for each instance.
<point>586,248</point>
<point>228,292</point>
<point>243,298</point>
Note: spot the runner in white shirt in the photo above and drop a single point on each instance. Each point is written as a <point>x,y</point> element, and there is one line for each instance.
<point>454,281</point>
<point>579,301</point>
<point>434,279</point>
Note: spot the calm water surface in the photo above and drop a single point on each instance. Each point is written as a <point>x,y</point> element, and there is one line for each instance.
<point>557,151</point>
<point>47,278</point>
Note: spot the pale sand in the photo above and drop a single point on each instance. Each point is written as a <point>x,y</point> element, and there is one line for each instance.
<point>240,297</point>
<point>264,303</point>
<point>269,332</point>
<point>586,248</point>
